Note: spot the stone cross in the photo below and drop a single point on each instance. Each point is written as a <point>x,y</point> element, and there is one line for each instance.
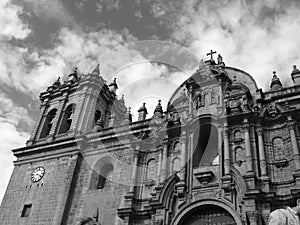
<point>211,54</point>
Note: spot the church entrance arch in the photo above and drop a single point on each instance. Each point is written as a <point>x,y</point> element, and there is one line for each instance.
<point>209,212</point>
<point>209,215</point>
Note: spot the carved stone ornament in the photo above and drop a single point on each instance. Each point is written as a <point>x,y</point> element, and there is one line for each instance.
<point>253,216</point>
<point>180,189</point>
<point>237,99</point>
<point>173,119</point>
<point>204,176</point>
<point>149,182</point>
<point>198,99</point>
<point>272,112</point>
<point>281,163</point>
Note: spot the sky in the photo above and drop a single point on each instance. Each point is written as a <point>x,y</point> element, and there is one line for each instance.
<point>150,46</point>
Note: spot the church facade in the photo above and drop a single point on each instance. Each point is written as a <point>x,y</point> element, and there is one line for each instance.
<point>223,152</point>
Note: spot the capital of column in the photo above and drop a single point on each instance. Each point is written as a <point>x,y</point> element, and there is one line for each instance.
<point>225,129</point>
<point>259,130</point>
<point>183,137</point>
<point>226,132</point>
<point>136,153</point>
<point>246,127</point>
<point>291,124</point>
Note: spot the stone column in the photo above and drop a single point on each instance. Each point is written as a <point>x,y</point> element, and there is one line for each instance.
<point>164,171</point>
<point>190,166</point>
<point>226,150</point>
<point>158,176</point>
<point>248,147</point>
<point>39,123</point>
<point>291,126</point>
<point>191,100</point>
<point>262,157</point>
<point>59,114</point>
<point>134,171</point>
<point>183,157</point>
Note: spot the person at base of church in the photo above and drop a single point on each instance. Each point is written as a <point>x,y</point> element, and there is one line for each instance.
<point>288,216</point>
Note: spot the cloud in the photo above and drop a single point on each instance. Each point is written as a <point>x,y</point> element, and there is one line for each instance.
<point>10,138</point>
<point>14,114</point>
<point>11,25</point>
<point>31,70</point>
<point>110,4</point>
<point>257,36</point>
<point>48,10</point>
<point>12,119</point>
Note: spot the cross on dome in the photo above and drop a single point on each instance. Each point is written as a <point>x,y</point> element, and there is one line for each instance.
<point>211,54</point>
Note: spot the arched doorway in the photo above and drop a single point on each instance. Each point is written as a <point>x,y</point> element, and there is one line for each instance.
<point>207,212</point>
<point>208,215</point>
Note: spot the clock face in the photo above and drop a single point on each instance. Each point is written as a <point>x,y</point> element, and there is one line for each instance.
<point>37,174</point>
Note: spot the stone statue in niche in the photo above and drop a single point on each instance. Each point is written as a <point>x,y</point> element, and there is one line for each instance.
<point>215,99</point>
<point>206,98</point>
<point>199,99</point>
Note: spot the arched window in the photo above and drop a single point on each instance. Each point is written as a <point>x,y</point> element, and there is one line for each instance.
<point>102,174</point>
<point>105,178</point>
<point>67,119</point>
<point>151,170</point>
<point>97,116</point>
<point>278,149</point>
<point>176,165</point>
<point>48,123</point>
<point>177,147</point>
<point>238,135</point>
<point>206,146</point>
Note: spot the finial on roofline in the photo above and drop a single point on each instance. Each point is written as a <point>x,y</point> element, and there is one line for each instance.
<point>296,75</point>
<point>142,112</point>
<point>275,83</point>
<point>96,70</point>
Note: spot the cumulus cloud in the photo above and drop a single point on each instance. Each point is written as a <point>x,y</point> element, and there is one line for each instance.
<point>11,25</point>
<point>48,10</point>
<point>12,113</point>
<point>257,36</point>
<point>10,138</point>
<point>11,117</point>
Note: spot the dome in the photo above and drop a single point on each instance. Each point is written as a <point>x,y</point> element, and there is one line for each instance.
<point>207,75</point>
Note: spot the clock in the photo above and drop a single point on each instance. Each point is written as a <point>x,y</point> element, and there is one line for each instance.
<point>37,174</point>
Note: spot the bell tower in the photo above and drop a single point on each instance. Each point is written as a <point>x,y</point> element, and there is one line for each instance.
<point>46,170</point>
<point>77,106</point>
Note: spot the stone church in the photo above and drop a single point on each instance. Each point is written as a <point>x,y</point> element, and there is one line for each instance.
<point>223,152</point>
